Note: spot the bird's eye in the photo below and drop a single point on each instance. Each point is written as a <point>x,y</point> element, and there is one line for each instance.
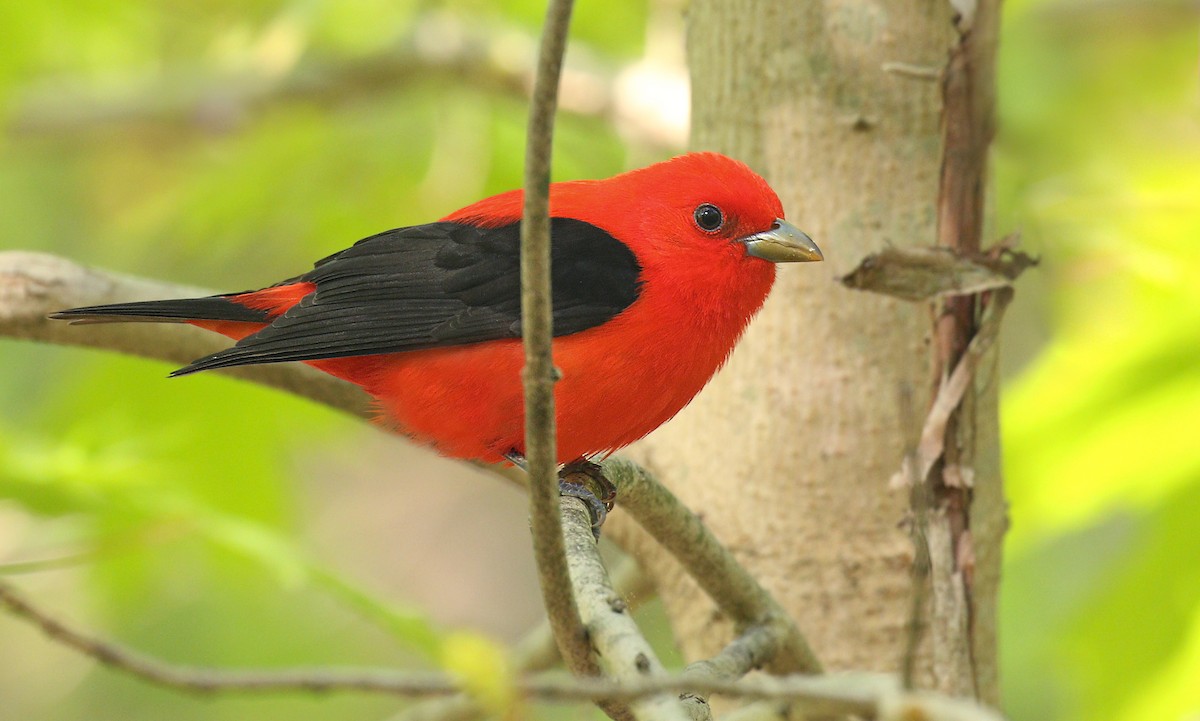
<point>709,217</point>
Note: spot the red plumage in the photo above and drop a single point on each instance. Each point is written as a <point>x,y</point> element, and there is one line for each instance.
<point>628,368</point>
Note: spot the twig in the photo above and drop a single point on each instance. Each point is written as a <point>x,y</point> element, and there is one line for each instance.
<point>741,656</point>
<point>964,634</point>
<point>927,273</point>
<point>219,101</point>
<point>865,694</point>
<point>950,393</point>
<point>33,285</point>
<point>744,654</point>
<point>539,374</point>
<point>188,678</point>
<point>734,590</point>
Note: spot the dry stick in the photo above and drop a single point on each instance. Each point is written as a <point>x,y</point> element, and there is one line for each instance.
<point>197,679</point>
<point>964,661</point>
<point>955,385</point>
<point>734,590</point>
<point>537,331</point>
<point>921,457</point>
<point>865,694</point>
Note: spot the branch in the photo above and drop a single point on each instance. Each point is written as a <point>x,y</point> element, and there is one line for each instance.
<point>962,615</point>
<point>744,654</point>
<point>953,388</point>
<point>919,497</point>
<point>928,273</point>
<point>868,695</point>
<point>33,285</point>
<point>623,652</point>
<point>539,373</point>
<point>463,55</point>
<point>710,564</point>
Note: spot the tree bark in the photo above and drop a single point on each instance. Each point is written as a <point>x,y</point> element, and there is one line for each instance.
<point>788,453</point>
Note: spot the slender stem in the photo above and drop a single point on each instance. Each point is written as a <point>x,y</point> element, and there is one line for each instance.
<point>964,651</point>
<point>741,656</point>
<point>863,694</point>
<point>537,331</point>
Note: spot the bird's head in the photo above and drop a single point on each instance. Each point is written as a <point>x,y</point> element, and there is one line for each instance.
<point>703,215</point>
<point>722,203</point>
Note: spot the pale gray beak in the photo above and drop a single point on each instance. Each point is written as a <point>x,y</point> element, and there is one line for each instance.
<point>783,243</point>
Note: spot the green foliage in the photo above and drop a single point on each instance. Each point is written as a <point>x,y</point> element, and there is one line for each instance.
<point>174,515</point>
<point>1099,162</point>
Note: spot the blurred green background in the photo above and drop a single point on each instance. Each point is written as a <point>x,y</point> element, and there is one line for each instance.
<point>230,142</point>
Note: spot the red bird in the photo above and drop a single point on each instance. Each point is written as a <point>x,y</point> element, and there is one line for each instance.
<point>655,274</point>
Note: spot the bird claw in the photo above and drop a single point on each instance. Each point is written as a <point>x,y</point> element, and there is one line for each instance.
<point>586,481</point>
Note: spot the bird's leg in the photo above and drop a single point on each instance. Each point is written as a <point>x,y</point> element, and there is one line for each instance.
<point>584,480</point>
<point>517,460</point>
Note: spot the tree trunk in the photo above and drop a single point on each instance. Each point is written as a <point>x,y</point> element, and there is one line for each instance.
<point>788,453</point>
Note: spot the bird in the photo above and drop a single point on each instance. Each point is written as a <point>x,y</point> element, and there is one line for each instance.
<point>656,273</point>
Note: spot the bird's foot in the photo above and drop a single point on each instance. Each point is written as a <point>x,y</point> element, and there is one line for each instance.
<point>586,481</point>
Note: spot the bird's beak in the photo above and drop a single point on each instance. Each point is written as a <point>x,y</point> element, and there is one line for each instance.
<point>783,243</point>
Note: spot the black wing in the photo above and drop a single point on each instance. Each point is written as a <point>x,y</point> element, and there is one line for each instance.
<point>436,285</point>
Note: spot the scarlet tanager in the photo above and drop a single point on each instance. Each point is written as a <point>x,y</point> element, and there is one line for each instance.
<point>655,274</point>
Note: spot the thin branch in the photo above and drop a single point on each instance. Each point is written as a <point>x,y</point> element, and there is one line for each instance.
<point>964,637</point>
<point>479,57</point>
<point>710,564</point>
<point>939,272</point>
<point>953,388</point>
<point>537,332</point>
<point>744,654</point>
<point>188,678</point>
<point>741,656</point>
<point>868,695</point>
<point>33,285</point>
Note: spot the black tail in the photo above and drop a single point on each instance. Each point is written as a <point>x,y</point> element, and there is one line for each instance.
<point>215,307</point>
